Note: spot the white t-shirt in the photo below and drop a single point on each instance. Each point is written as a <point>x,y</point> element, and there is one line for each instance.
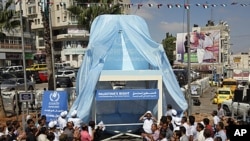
<point>147,125</point>
<point>216,120</point>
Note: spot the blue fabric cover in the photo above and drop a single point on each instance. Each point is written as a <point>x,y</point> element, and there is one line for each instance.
<point>122,42</point>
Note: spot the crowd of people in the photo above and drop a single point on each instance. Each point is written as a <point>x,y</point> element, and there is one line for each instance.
<point>62,129</point>
<point>172,127</point>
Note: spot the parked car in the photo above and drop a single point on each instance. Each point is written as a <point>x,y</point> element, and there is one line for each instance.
<point>16,84</point>
<point>37,67</point>
<point>66,73</point>
<point>43,76</point>
<point>222,94</point>
<point>63,82</point>
<point>8,75</point>
<point>13,69</point>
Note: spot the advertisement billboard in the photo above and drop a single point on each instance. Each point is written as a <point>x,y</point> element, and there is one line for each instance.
<point>204,47</point>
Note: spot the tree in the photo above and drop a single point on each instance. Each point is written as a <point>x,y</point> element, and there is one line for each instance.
<point>7,24</point>
<point>87,10</point>
<point>169,47</point>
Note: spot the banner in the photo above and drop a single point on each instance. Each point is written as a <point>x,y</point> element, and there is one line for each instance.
<point>54,102</point>
<point>204,46</point>
<point>131,94</point>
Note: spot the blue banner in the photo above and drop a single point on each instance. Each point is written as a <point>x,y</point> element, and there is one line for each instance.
<point>54,102</point>
<point>128,94</point>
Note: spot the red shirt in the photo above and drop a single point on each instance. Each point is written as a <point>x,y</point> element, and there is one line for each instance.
<point>211,129</point>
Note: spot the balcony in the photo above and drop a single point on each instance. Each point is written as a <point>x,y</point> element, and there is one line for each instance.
<point>15,47</point>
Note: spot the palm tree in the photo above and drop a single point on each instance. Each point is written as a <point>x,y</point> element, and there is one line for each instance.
<point>87,10</point>
<point>7,24</point>
<point>47,43</point>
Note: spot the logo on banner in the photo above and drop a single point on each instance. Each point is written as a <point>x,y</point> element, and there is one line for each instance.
<point>54,97</point>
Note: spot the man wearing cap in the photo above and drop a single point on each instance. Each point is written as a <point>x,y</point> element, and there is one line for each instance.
<point>148,120</point>
<point>62,120</point>
<point>77,121</point>
<point>52,128</point>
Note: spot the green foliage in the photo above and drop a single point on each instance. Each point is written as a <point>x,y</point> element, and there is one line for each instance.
<point>7,20</point>
<point>87,11</point>
<point>169,47</point>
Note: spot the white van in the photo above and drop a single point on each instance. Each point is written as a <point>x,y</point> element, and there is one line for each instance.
<point>12,69</point>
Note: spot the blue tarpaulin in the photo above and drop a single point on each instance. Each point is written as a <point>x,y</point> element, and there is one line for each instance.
<point>123,42</point>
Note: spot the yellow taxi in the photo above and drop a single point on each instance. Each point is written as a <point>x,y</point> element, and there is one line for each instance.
<point>222,94</point>
<point>37,67</point>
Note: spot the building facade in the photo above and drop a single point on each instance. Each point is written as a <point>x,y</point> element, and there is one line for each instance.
<point>69,41</point>
<point>11,48</point>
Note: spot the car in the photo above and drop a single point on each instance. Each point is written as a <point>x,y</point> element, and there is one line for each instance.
<point>63,82</point>
<point>237,108</point>
<point>16,84</point>
<point>66,73</point>
<point>222,94</point>
<point>13,69</point>
<point>37,67</point>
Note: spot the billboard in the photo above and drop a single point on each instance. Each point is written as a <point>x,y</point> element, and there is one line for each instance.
<point>204,47</point>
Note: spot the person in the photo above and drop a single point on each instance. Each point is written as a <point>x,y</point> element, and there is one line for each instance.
<point>200,131</point>
<point>165,128</point>
<point>2,135</point>
<point>220,111</point>
<point>169,110</point>
<point>76,120</point>
<point>148,119</point>
<point>186,125</point>
<point>230,122</point>
<point>19,104</point>
<point>11,136</point>
<point>69,130</point>
<point>220,131</point>
<point>184,136</point>
<point>155,133</point>
<point>42,136</point>
<point>207,135</point>
<point>176,136</point>
<point>62,121</point>
<point>207,125</point>
<point>216,119</point>
<point>193,124</point>
<point>52,129</point>
<point>162,136</point>
<point>85,136</point>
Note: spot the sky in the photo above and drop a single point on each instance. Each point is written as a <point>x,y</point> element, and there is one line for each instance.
<point>174,20</point>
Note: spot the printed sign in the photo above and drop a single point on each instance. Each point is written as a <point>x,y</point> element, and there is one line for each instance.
<point>128,94</point>
<point>54,102</point>
<point>25,97</point>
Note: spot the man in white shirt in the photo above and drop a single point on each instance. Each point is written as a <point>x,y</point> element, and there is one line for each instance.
<point>148,119</point>
<point>76,120</point>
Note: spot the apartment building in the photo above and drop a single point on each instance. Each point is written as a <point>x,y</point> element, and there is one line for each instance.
<point>11,50</point>
<point>69,41</point>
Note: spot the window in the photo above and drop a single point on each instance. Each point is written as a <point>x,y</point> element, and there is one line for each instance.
<point>57,7</point>
<point>58,19</point>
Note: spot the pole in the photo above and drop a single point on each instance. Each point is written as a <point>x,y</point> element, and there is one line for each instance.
<point>189,98</point>
<point>52,49</point>
<point>23,54</point>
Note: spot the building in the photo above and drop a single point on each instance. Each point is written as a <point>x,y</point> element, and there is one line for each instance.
<point>69,41</point>
<point>11,46</point>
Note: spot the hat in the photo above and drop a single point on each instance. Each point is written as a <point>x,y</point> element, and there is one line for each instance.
<point>28,117</point>
<point>174,112</point>
<point>74,113</point>
<point>64,114</point>
<point>52,124</point>
<point>148,112</point>
<point>177,121</point>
